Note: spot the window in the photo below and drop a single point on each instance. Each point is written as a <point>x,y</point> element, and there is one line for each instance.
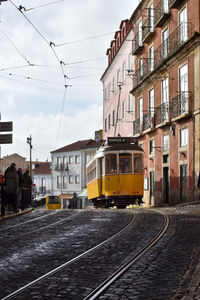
<point>151,58</point>
<point>113,85</point>
<point>124,71</point>
<point>118,113</point>
<point>59,163</point>
<point>183,32</point>
<point>151,146</point>
<point>151,103</point>
<point>165,43</point>
<point>183,78</point>
<point>113,118</point>
<point>140,68</point>
<point>58,182</point>
<point>70,178</point>
<point>64,182</point>
<point>130,62</point>
<point>125,163</point>
<point>130,104</point>
<point>77,159</point>
<point>123,109</point>
<point>137,163</point>
<point>105,94</point>
<point>165,99</point>
<point>165,142</point>
<point>109,122</point>
<point>105,125</point>
<point>91,172</point>
<point>140,33</point>
<point>109,92</point>
<point>183,137</point>
<point>141,111</point>
<point>88,156</point>
<point>77,179</point>
<point>118,77</point>
<point>71,159</point>
<point>65,162</point>
<point>111,163</point>
<point>151,17</point>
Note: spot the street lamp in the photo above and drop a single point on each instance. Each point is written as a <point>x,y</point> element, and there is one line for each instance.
<point>29,141</point>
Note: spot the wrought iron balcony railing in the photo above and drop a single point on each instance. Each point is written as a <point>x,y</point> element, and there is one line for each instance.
<point>162,113</point>
<point>181,104</point>
<point>148,120</point>
<point>143,71</point>
<point>137,44</point>
<point>161,13</point>
<point>174,3</point>
<point>178,37</point>
<point>147,29</point>
<point>137,127</point>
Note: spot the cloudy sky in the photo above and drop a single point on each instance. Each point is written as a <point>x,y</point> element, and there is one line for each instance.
<point>33,74</point>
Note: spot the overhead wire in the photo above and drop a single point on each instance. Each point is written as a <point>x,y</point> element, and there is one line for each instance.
<point>42,5</point>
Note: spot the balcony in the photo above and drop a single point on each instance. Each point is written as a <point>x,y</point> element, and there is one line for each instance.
<point>137,127</point>
<point>161,13</point>
<point>148,121</point>
<point>141,73</point>
<point>162,114</point>
<point>178,37</point>
<point>147,30</point>
<point>181,105</point>
<point>137,44</point>
<point>174,3</point>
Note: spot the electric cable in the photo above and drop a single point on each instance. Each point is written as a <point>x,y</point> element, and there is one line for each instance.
<point>40,6</point>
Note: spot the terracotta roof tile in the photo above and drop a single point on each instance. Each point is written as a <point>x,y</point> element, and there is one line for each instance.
<point>43,168</point>
<point>77,146</point>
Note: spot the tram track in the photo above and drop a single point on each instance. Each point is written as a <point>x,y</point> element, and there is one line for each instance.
<point>54,271</point>
<point>76,262</point>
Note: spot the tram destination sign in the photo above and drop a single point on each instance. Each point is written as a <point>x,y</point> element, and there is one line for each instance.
<point>6,126</point>
<point>122,140</point>
<point>5,138</point>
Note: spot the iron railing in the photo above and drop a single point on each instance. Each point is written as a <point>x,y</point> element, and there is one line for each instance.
<point>181,104</point>
<point>137,43</point>
<point>161,13</point>
<point>162,113</point>
<point>174,3</point>
<point>147,28</point>
<point>148,120</point>
<point>136,126</point>
<point>178,37</point>
<point>143,71</point>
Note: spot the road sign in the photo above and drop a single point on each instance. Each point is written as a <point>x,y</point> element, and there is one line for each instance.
<point>6,126</point>
<point>5,138</point>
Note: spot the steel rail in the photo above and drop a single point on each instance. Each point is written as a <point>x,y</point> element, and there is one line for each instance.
<point>44,227</point>
<point>59,268</point>
<point>110,280</point>
<point>29,221</point>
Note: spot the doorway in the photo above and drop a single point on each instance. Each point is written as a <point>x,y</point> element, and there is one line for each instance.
<point>166,185</point>
<point>152,188</point>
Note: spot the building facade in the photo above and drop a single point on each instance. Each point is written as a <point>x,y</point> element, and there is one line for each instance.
<point>166,93</point>
<point>42,179</point>
<point>69,167</point>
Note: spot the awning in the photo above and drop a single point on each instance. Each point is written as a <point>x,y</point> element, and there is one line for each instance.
<point>83,194</point>
<point>67,196</point>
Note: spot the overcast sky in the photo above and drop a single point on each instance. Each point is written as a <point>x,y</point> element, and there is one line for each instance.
<point>32,79</point>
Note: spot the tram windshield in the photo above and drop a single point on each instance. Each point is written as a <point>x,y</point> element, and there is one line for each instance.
<point>137,163</point>
<point>125,165</point>
<point>111,163</point>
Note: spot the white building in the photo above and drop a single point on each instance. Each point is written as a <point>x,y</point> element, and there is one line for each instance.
<point>69,167</point>
<point>42,178</point>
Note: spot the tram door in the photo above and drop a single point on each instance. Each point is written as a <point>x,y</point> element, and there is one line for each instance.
<point>152,188</point>
<point>101,173</point>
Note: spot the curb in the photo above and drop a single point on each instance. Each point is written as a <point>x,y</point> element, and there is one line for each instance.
<point>2,218</point>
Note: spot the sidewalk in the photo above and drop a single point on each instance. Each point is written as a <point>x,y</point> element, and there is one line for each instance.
<point>11,214</point>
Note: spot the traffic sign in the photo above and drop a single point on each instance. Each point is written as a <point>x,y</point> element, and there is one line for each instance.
<point>5,138</point>
<point>6,126</point>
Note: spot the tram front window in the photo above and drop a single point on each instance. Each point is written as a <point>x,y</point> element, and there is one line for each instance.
<point>111,163</point>
<point>125,165</point>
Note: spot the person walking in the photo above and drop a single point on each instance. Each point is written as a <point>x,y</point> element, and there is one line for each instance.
<point>11,186</point>
<point>28,187</point>
<point>19,193</point>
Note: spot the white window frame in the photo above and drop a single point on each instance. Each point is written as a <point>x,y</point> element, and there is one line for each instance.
<point>165,142</point>
<point>77,179</point>
<point>70,179</point>
<point>184,135</point>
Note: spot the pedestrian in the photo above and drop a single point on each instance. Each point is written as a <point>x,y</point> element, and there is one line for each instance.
<point>3,197</point>
<point>28,188</point>
<point>21,184</point>
<point>11,186</point>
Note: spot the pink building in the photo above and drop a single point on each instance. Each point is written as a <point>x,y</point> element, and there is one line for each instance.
<point>118,103</point>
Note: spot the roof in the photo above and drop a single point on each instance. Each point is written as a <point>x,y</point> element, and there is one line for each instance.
<point>43,168</point>
<point>78,146</point>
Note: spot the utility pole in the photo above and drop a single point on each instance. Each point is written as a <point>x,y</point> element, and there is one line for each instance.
<point>29,141</point>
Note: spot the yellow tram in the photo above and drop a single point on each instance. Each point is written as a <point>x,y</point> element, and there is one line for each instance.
<point>115,173</point>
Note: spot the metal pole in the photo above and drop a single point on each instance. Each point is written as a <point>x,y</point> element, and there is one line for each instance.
<point>29,141</point>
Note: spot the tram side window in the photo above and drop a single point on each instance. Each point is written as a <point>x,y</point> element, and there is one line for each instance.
<point>111,163</point>
<point>91,172</point>
<point>125,165</point>
<point>138,163</point>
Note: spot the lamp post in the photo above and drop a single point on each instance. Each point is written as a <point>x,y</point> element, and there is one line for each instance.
<point>29,141</point>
